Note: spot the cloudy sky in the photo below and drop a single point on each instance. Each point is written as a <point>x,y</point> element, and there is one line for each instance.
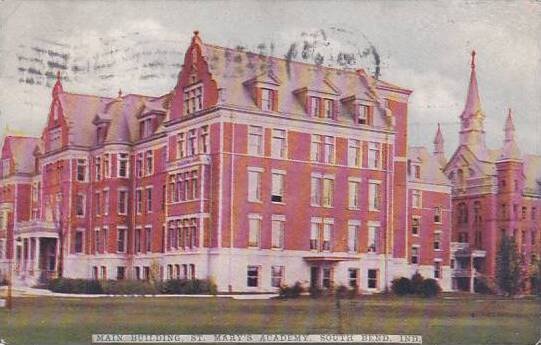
<point>138,46</point>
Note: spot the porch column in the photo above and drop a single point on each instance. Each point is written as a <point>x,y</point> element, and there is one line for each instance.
<point>25,254</point>
<point>472,275</point>
<point>37,254</point>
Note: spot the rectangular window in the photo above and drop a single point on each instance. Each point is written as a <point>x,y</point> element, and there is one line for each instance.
<point>328,108</point>
<point>123,165</point>
<point>254,186</point>
<point>353,195</point>
<point>362,117</point>
<point>328,150</point>
<point>314,235</point>
<point>372,279</point>
<point>255,232</point>
<point>191,149</point>
<point>277,234</point>
<point>373,239</point>
<point>353,278</point>
<point>80,205</point>
<point>98,203</point>
<point>278,145</point>
<point>139,201</point>
<point>137,241</point>
<point>277,187</point>
<point>437,214</point>
<point>95,274</point>
<point>97,166</point>
<point>414,255</point>
<point>103,270</point>
<point>181,142</point>
<point>374,155</point>
<point>316,148</point>
<point>252,276</point>
<point>78,241</point>
<point>81,170</point>
<point>315,106</point>
<point>437,269</point>
<point>105,202</point>
<point>354,153</point>
<point>149,162</point>
<point>374,196</point>
<point>353,238</point>
<point>149,199</point>
<point>327,233</point>
<point>146,273</point>
<point>416,198</point>
<point>255,140</point>
<point>417,171</point>
<point>148,239</point>
<point>122,202</point>
<point>139,165</point>
<point>205,145</point>
<point>326,280</point>
<point>121,240</point>
<point>193,99</point>
<point>315,193</point>
<point>437,241</point>
<point>277,276</point>
<point>267,100</point>
<point>104,241</point>
<point>120,273</point>
<point>107,165</point>
<point>145,128</point>
<point>415,226</point>
<point>328,192</point>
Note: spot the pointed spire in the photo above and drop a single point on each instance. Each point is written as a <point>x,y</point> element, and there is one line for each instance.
<point>439,152</point>
<point>509,128</point>
<point>57,88</point>
<point>196,38</point>
<point>510,148</point>
<point>473,101</point>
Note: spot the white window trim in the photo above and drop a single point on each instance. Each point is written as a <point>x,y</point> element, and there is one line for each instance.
<point>127,164</point>
<point>126,202</point>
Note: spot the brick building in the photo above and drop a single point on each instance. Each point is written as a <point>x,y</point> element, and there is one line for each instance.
<point>254,171</point>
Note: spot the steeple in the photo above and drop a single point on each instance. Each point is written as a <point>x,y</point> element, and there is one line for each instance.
<point>510,148</point>
<point>472,132</point>
<point>57,88</point>
<point>439,152</point>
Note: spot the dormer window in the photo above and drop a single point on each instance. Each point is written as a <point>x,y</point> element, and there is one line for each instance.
<point>145,128</point>
<point>55,139</point>
<point>328,108</point>
<point>193,99</point>
<point>315,106</point>
<point>267,99</point>
<point>362,116</point>
<point>417,171</point>
<point>101,133</point>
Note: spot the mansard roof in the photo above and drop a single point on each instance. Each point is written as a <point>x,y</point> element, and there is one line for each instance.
<point>430,168</point>
<point>21,150</point>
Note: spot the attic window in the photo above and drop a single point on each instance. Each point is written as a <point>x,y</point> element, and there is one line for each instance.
<point>145,128</point>
<point>267,99</point>
<point>193,99</point>
<point>100,134</point>
<point>417,171</point>
<point>363,115</point>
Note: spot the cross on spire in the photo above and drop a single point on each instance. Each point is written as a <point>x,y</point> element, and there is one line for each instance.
<point>473,59</point>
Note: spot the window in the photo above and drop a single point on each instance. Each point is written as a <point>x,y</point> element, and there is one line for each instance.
<point>254,186</point>
<point>372,279</point>
<point>121,240</point>
<point>417,171</point>
<point>374,196</point>
<point>139,165</point>
<point>277,276</point>
<point>193,99</point>
<point>122,202</point>
<point>97,166</point>
<point>103,270</point>
<point>316,149</point>
<point>533,213</point>
<point>462,213</point>
<point>137,272</point>
<point>278,233</point>
<point>107,165</point>
<point>81,170</point>
<point>137,241</point>
<point>277,187</point>
<point>326,281</point>
<point>315,106</point>
<point>204,144</point>
<point>104,241</point>
<point>314,235</point>
<point>123,165</point>
<point>328,192</point>
<point>415,226</point>
<point>98,203</point>
<point>255,140</point>
<point>80,205</point>
<point>255,231</point>
<point>373,238</point>
<point>354,153</point>
<point>139,201</point>
<point>315,192</point>
<point>191,149</point>
<point>414,255</point>
<point>146,273</point>
<point>353,195</point>
<point>149,199</point>
<point>329,150</point>
<point>120,273</point>
<point>181,142</point>
<point>362,118</point>
<point>524,210</point>
<point>328,108</point>
<point>437,241</point>
<point>327,230</point>
<point>437,269</point>
<point>145,128</point>
<point>148,239</point>
<point>353,238</point>
<point>437,214</point>
<point>148,162</point>
<point>252,276</point>
<point>416,198</point>
<point>353,278</point>
<point>278,145</point>
<point>105,202</point>
<point>78,241</point>
<point>374,155</point>
<point>267,102</point>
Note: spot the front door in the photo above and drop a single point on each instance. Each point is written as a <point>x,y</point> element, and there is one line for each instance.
<point>314,277</point>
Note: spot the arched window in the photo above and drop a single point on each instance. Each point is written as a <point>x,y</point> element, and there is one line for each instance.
<point>461,179</point>
<point>477,218</point>
<point>462,213</point>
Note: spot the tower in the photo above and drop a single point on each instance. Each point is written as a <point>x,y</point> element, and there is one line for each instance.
<point>439,152</point>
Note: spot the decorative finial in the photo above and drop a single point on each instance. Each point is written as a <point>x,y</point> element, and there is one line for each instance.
<point>509,113</point>
<point>58,75</point>
<point>473,59</point>
<point>196,33</point>
<point>119,93</point>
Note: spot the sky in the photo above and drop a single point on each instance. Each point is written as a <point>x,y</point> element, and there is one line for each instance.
<point>138,47</point>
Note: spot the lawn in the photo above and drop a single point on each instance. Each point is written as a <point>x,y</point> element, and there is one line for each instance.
<point>467,320</point>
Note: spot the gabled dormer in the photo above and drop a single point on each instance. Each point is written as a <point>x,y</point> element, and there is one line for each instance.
<point>320,100</point>
<point>264,90</point>
<point>149,122</point>
<point>360,108</point>
<point>54,134</point>
<point>102,126</point>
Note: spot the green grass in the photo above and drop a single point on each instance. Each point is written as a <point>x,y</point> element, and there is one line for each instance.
<point>468,320</point>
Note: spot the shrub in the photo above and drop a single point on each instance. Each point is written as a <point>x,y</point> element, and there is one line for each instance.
<point>82,286</point>
<point>291,291</point>
<point>315,292</point>
<point>417,283</point>
<point>341,291</point>
<point>483,286</point>
<point>430,288</point>
<point>188,287</point>
<point>402,286</point>
<point>128,287</point>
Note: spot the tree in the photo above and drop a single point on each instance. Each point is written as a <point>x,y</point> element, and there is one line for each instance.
<point>509,271</point>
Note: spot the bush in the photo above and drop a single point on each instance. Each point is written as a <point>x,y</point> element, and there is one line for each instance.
<point>315,292</point>
<point>128,287</point>
<point>417,283</point>
<point>402,286</point>
<point>82,286</point>
<point>188,287</point>
<point>341,291</point>
<point>291,291</point>
<point>483,286</point>
<point>430,288</point>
